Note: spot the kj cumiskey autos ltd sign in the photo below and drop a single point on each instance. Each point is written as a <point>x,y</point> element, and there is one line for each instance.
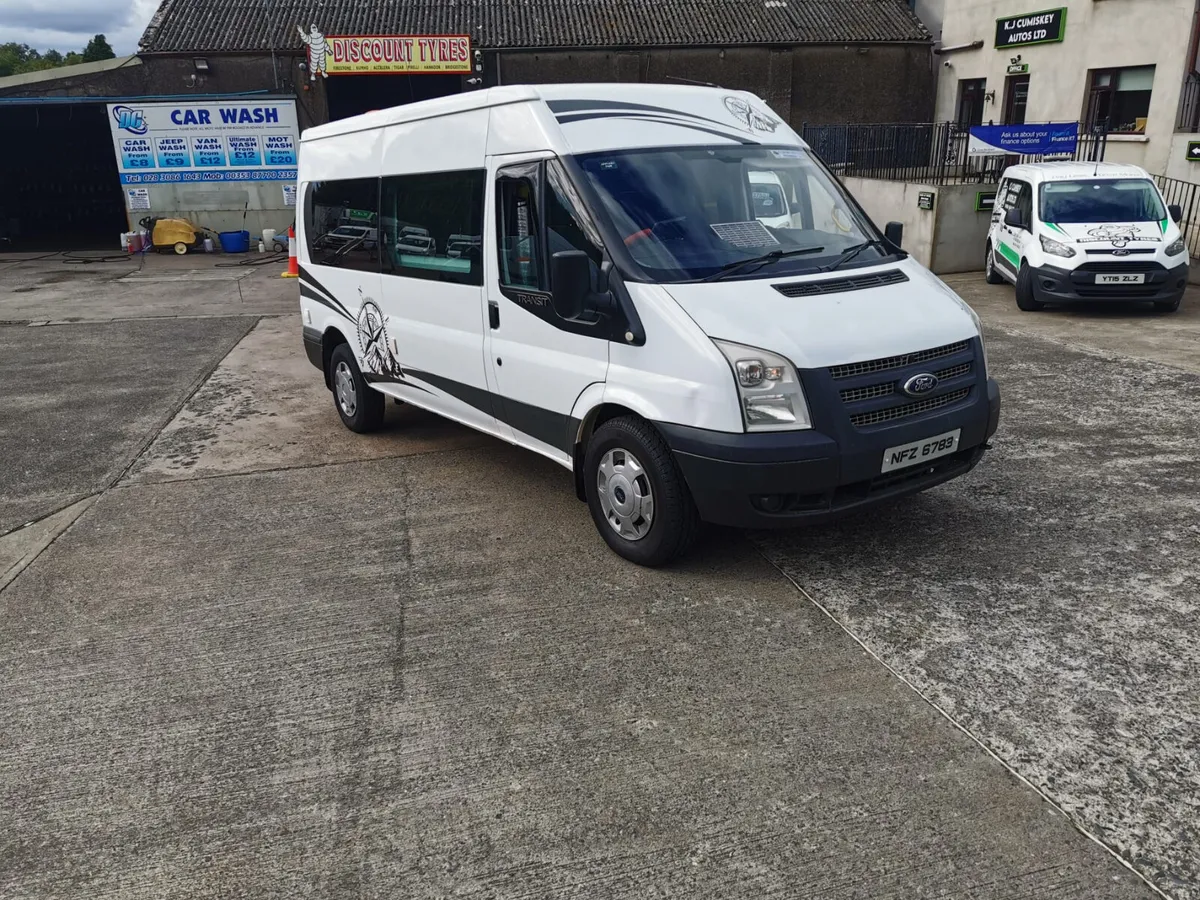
<point>1045,27</point>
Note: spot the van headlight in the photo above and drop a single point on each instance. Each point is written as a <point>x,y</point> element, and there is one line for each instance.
<point>1056,248</point>
<point>769,388</point>
<point>1177,247</point>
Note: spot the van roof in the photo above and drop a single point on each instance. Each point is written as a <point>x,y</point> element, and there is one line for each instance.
<point>657,94</point>
<point>1070,170</point>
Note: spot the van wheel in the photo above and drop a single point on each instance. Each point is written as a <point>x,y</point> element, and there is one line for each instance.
<point>1025,299</point>
<point>990,275</point>
<point>359,405</point>
<point>636,493</point>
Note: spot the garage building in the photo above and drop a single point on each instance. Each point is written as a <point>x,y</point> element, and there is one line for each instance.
<point>811,60</point>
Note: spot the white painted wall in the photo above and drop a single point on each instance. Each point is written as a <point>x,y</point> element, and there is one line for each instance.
<point>1100,34</point>
<point>948,239</point>
<point>896,201</point>
<point>221,207</point>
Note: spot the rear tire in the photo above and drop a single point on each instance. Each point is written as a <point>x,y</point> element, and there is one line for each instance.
<point>1025,298</point>
<point>360,406</point>
<point>990,275</point>
<point>1167,306</point>
<point>637,496</point>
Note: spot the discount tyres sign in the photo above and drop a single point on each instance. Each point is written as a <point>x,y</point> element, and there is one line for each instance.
<point>163,143</point>
<point>1045,27</point>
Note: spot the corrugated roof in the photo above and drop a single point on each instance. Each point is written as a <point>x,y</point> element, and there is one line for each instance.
<point>185,26</point>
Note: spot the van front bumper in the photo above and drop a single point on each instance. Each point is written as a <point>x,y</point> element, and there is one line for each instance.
<point>1054,285</point>
<point>784,479</point>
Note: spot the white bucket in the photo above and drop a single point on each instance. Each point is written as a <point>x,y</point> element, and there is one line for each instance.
<point>268,238</point>
<point>124,240</point>
<point>208,245</point>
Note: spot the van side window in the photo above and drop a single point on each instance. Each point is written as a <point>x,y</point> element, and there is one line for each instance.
<point>519,227</point>
<point>568,227</point>
<point>341,223</point>
<point>432,226</point>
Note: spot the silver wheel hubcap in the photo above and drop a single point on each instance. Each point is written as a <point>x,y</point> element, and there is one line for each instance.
<point>625,495</point>
<point>343,382</point>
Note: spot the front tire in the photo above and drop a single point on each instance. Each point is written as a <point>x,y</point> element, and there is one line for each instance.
<point>637,495</point>
<point>990,275</point>
<point>1026,301</point>
<point>360,406</point>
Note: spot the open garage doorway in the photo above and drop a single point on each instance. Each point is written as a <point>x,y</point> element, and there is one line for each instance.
<point>61,189</point>
<point>352,95</point>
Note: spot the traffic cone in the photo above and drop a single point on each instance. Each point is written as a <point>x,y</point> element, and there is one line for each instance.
<point>293,261</point>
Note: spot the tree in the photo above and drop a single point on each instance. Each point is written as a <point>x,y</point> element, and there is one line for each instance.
<point>17,59</point>
<point>97,49</point>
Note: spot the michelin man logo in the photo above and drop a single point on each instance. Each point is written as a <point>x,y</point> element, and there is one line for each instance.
<point>318,51</point>
<point>750,118</point>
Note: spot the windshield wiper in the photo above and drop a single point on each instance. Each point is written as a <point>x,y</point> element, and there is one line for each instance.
<point>761,260</point>
<point>854,251</point>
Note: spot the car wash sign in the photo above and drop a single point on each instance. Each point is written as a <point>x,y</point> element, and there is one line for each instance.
<point>384,54</point>
<point>164,143</point>
<point>1046,27</point>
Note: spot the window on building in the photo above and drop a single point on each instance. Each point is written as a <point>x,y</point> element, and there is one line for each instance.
<point>1119,99</point>
<point>970,101</point>
<point>341,223</point>
<point>1016,98</point>
<point>432,226</point>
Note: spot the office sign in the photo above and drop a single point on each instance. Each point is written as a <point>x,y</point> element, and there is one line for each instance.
<point>384,54</point>
<point>1018,69</point>
<point>1023,140</point>
<point>164,143</point>
<point>1046,27</point>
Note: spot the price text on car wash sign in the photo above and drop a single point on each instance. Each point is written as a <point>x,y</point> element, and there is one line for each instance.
<point>389,54</point>
<point>1046,27</point>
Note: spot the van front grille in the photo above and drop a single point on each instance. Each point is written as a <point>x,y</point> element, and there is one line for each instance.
<point>850,370</point>
<point>892,413</point>
<point>872,391</point>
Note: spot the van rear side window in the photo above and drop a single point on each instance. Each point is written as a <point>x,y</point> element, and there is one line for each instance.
<point>342,223</point>
<point>432,226</point>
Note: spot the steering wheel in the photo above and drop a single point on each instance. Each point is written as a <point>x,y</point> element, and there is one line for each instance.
<point>632,239</point>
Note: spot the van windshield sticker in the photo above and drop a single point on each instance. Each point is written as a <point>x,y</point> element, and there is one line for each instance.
<point>744,234</point>
<point>788,154</point>
<point>608,164</point>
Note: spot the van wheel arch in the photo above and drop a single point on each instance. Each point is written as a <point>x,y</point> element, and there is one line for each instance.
<point>330,341</point>
<point>596,417</point>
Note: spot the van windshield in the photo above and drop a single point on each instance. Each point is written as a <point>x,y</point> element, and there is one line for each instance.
<point>689,213</point>
<point>1108,200</point>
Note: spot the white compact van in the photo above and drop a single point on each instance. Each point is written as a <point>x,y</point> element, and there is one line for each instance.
<point>605,284</point>
<point>1066,232</point>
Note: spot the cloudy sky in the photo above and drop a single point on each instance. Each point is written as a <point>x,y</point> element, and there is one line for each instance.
<point>69,24</point>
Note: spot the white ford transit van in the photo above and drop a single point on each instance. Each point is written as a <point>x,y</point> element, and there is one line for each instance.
<point>621,299</point>
<point>1066,232</point>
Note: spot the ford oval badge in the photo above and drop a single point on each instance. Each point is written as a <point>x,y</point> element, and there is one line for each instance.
<point>919,385</point>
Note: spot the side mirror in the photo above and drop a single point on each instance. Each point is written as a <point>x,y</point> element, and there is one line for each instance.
<point>1013,219</point>
<point>1176,212</point>
<point>893,233</point>
<point>570,282</point>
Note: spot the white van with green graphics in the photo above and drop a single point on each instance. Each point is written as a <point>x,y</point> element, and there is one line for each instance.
<point>1071,232</point>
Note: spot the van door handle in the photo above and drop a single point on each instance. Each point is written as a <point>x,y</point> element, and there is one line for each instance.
<point>494,314</point>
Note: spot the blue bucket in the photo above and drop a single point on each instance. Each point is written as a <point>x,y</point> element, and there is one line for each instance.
<point>234,241</point>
